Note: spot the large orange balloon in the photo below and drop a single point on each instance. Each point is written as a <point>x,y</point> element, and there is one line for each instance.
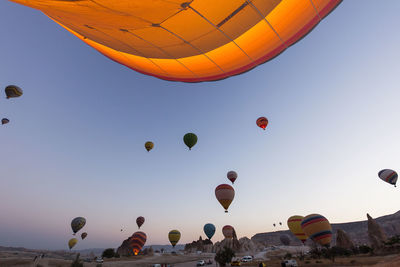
<point>225,194</point>
<point>188,40</point>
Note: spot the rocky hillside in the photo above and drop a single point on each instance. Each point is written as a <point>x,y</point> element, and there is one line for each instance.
<point>357,231</point>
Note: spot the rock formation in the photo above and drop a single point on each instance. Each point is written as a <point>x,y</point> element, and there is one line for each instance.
<point>199,245</point>
<point>343,240</point>
<point>375,233</point>
<point>125,249</point>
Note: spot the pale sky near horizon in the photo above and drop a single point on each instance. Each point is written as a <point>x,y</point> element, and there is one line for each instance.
<point>75,142</point>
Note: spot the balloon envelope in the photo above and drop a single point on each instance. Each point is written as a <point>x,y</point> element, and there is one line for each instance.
<point>227,231</point>
<point>149,146</point>
<point>4,121</point>
<point>262,122</point>
<point>13,91</point>
<point>83,235</point>
<point>72,242</point>
<point>225,194</point>
<point>232,176</point>
<point>209,230</point>
<point>389,176</point>
<point>190,139</point>
<point>285,240</point>
<point>174,237</point>
<point>318,228</point>
<point>294,224</point>
<point>139,221</point>
<point>77,224</point>
<point>187,41</point>
<point>137,241</point>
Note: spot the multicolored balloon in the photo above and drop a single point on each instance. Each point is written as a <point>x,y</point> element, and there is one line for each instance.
<point>77,224</point>
<point>285,240</point>
<point>262,122</point>
<point>318,228</point>
<point>72,242</point>
<point>137,241</point>
<point>4,121</point>
<point>227,231</point>
<point>13,91</point>
<point>209,230</point>
<point>190,139</point>
<point>83,235</point>
<point>232,176</point>
<point>225,194</point>
<point>389,176</point>
<point>174,236</point>
<point>149,146</point>
<point>294,224</point>
<point>139,221</point>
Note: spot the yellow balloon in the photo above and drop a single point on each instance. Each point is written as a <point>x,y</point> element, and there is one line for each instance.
<point>174,237</point>
<point>72,242</point>
<point>294,224</point>
<point>318,228</point>
<point>149,146</point>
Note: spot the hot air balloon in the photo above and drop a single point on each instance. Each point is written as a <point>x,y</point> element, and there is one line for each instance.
<point>149,146</point>
<point>285,240</point>
<point>225,194</point>
<point>137,241</point>
<point>209,230</point>
<point>174,237</point>
<point>274,224</point>
<point>318,228</point>
<point>13,91</point>
<point>232,176</point>
<point>77,224</point>
<point>227,231</point>
<point>188,41</point>
<point>72,242</point>
<point>4,121</point>
<point>139,221</point>
<point>389,176</point>
<point>83,235</point>
<point>262,122</point>
<point>280,223</point>
<point>190,139</point>
<point>294,224</point>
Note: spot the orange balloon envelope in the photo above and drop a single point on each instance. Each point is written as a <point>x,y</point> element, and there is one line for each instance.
<point>262,122</point>
<point>187,41</point>
<point>318,228</point>
<point>227,231</point>
<point>225,194</point>
<point>294,224</point>
<point>137,241</point>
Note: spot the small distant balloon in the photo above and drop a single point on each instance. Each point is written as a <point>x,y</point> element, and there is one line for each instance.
<point>77,224</point>
<point>139,221</point>
<point>227,231</point>
<point>4,121</point>
<point>280,223</point>
<point>389,176</point>
<point>209,230</point>
<point>13,91</point>
<point>72,242</point>
<point>83,235</point>
<point>262,122</point>
<point>149,146</point>
<point>232,176</point>
<point>225,194</point>
<point>174,237</point>
<point>190,139</point>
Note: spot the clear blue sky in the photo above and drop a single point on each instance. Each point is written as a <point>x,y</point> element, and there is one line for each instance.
<point>75,143</point>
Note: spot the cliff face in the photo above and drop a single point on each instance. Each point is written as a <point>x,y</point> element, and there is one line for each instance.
<point>356,231</point>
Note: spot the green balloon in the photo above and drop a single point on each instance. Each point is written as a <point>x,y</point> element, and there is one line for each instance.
<point>190,140</point>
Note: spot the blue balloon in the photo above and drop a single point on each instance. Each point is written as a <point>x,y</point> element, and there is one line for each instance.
<point>209,229</point>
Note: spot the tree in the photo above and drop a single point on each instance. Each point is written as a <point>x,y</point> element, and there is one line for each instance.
<point>77,262</point>
<point>108,253</point>
<point>224,256</point>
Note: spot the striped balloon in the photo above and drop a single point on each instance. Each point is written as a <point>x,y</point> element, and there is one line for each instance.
<point>225,194</point>
<point>227,231</point>
<point>13,91</point>
<point>318,228</point>
<point>389,176</point>
<point>294,224</point>
<point>137,241</point>
<point>174,237</point>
